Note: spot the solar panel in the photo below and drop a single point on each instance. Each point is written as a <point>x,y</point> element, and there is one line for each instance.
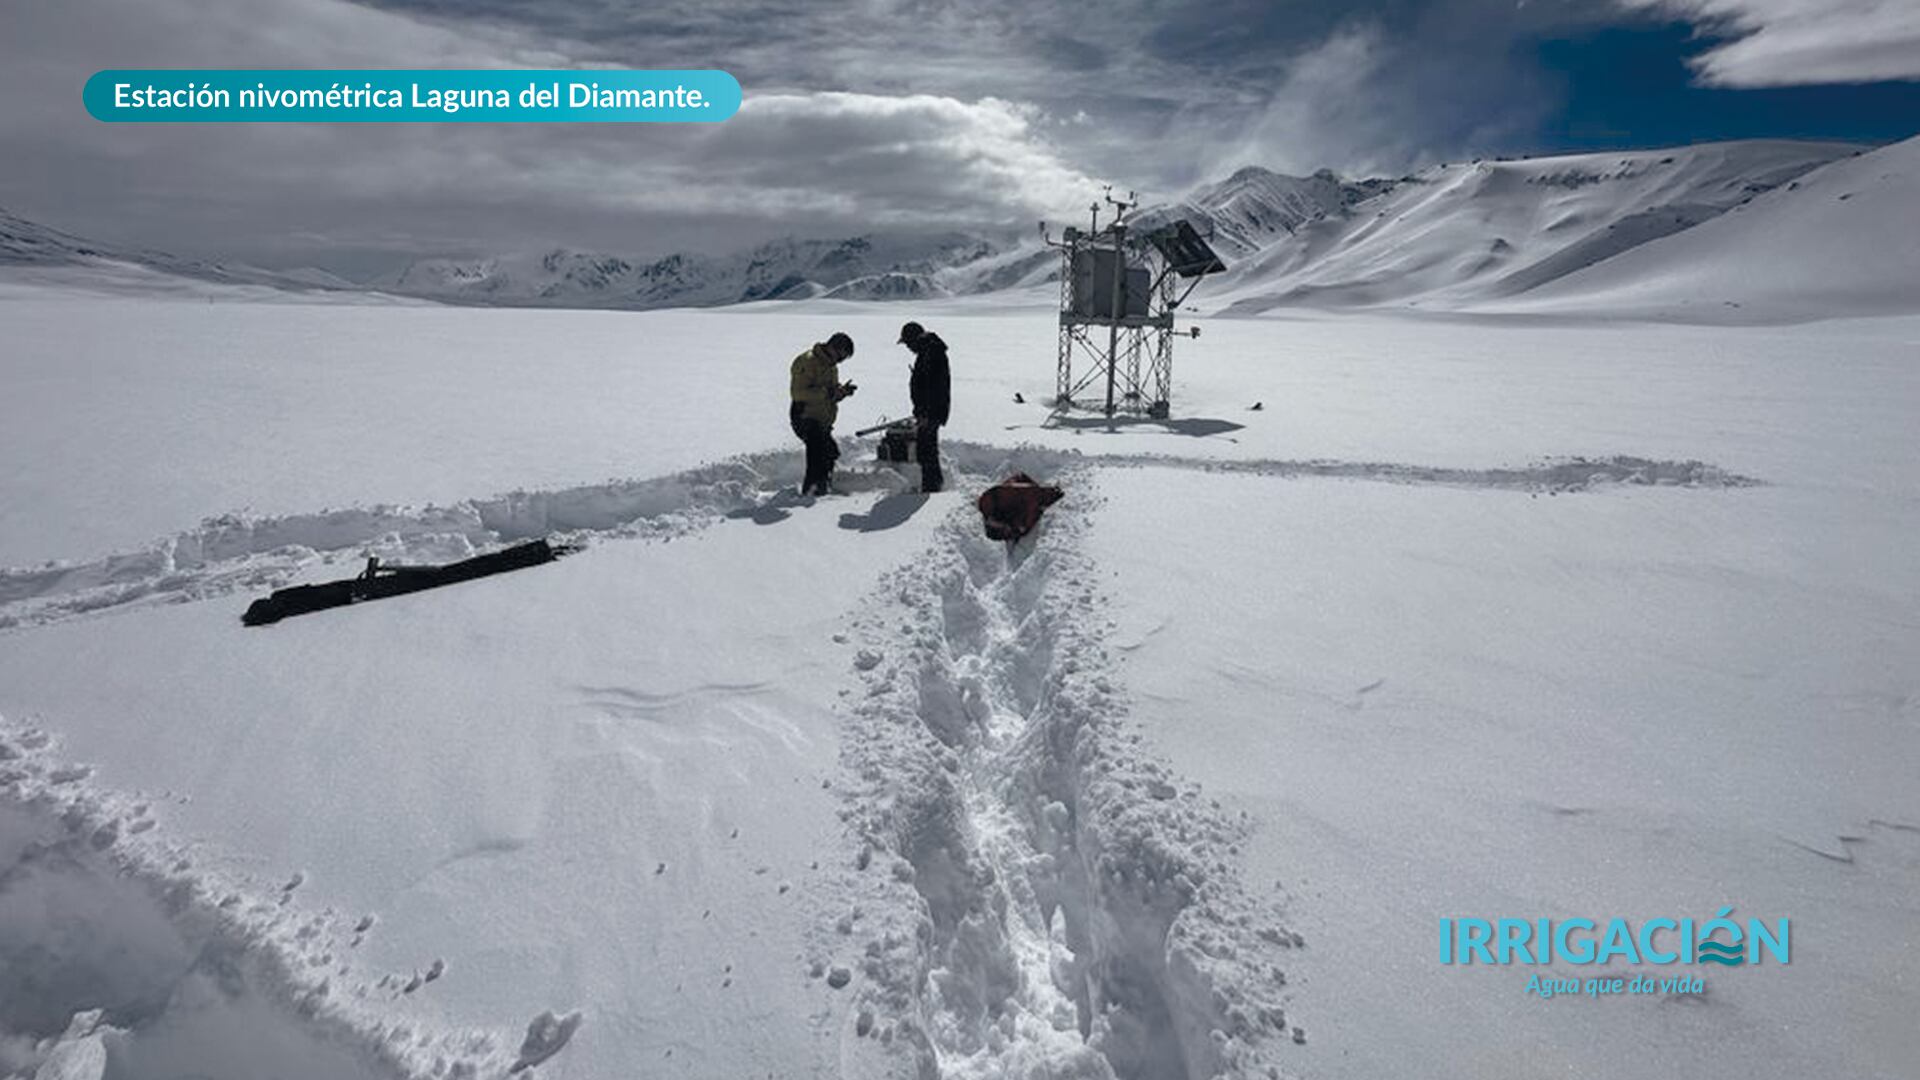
<point>1187,254</point>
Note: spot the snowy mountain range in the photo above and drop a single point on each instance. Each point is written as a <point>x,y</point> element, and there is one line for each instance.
<point>873,267</point>
<point>1568,231</point>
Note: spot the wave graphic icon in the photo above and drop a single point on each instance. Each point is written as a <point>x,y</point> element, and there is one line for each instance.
<point>1714,952</point>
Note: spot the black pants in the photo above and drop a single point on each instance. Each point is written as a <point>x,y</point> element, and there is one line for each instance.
<point>927,448</point>
<point>822,451</point>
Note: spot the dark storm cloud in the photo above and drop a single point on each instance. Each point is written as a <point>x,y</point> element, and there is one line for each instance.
<point>857,115</point>
<point>806,161</point>
<point>1155,94</point>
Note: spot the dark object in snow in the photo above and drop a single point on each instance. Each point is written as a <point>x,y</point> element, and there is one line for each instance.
<point>897,440</point>
<point>899,444</point>
<point>1011,508</point>
<point>1018,398</point>
<point>547,1035</point>
<point>1186,252</point>
<point>379,581</point>
<point>1257,406</point>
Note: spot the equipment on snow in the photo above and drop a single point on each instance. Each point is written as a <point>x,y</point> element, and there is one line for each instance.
<point>378,581</point>
<point>897,441</point>
<point>897,445</point>
<point>1111,282</point>
<point>1011,508</point>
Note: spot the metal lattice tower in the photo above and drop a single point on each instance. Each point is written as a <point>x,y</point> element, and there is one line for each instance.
<point>1117,305</point>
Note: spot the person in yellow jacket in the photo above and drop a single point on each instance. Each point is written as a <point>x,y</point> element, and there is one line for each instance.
<point>816,390</point>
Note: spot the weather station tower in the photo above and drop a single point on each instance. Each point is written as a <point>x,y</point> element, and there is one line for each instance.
<point>1118,296</point>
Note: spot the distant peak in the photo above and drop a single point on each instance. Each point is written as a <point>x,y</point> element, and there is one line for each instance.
<point>1247,173</point>
<point>1251,172</point>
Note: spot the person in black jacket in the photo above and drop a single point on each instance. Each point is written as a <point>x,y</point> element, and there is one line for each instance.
<point>932,391</point>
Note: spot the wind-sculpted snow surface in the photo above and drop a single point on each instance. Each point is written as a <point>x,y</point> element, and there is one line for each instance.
<point>239,552</point>
<point>243,553</point>
<point>126,956</point>
<point>1033,896</point>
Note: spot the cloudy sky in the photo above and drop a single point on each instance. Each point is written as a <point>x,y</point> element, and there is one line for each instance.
<point>893,113</point>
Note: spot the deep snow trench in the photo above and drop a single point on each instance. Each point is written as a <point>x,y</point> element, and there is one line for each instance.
<point>238,552</point>
<point>1035,897</point>
<point>126,957</point>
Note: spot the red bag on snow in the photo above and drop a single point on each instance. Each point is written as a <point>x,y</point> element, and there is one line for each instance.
<point>1011,508</point>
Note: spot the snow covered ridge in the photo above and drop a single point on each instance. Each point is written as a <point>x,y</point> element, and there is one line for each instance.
<point>1471,235</point>
<point>1033,895</point>
<point>125,955</point>
<point>1476,234</point>
<point>903,266</point>
<point>27,244</point>
<point>1758,230</point>
<point>1833,241</point>
<point>237,552</point>
<point>1459,236</point>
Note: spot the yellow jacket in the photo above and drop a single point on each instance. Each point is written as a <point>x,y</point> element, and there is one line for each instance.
<point>816,384</point>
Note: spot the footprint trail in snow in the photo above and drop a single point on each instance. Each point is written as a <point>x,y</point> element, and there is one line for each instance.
<point>1033,895</point>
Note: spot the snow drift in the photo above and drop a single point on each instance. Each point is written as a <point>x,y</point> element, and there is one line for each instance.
<point>126,957</point>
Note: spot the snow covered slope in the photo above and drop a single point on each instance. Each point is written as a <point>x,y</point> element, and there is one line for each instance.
<point>1843,239</point>
<point>29,250</point>
<point>1467,234</point>
<point>23,242</point>
<point>1256,208</point>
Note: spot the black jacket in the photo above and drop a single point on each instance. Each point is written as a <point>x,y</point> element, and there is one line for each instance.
<point>931,385</point>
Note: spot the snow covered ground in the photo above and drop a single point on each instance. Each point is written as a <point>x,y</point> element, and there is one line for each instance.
<point>1473,616</point>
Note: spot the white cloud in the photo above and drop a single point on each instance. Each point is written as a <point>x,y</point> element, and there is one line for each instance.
<point>901,159</point>
<point>1322,111</point>
<point>1803,42</point>
<point>1367,103</point>
<point>810,163</point>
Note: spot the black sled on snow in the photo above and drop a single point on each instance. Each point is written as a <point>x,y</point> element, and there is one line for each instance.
<point>378,582</point>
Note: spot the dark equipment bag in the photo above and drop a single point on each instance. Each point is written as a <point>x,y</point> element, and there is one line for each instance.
<point>897,443</point>
<point>378,581</point>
